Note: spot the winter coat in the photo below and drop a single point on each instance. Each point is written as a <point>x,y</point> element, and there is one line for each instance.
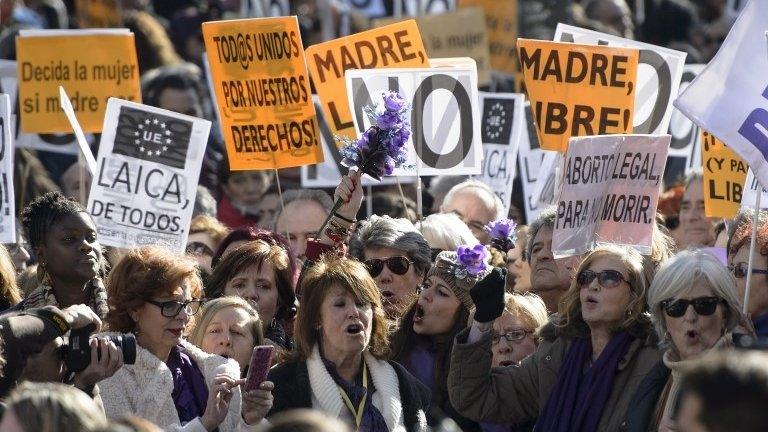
<point>401,399</point>
<point>144,389</point>
<point>516,394</point>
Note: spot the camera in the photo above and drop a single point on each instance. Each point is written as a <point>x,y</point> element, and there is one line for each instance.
<point>77,354</point>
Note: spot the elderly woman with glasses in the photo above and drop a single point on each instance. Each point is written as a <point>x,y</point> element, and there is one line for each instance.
<point>154,293</point>
<point>592,356</point>
<point>397,257</point>
<point>694,310</point>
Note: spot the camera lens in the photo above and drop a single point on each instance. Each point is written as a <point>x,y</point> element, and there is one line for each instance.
<point>127,343</point>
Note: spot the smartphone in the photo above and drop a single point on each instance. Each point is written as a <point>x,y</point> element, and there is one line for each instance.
<point>261,361</point>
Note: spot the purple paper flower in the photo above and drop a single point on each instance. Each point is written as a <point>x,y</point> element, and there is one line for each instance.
<point>503,234</point>
<point>472,258</point>
<point>389,120</point>
<point>393,101</point>
<point>381,148</point>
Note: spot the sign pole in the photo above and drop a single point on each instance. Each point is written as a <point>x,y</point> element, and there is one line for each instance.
<point>752,241</point>
<point>402,195</point>
<point>369,201</point>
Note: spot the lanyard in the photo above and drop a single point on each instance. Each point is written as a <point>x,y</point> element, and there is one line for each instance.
<point>357,413</point>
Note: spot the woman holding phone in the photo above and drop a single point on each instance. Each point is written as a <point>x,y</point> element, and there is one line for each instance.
<point>153,293</point>
<point>229,327</point>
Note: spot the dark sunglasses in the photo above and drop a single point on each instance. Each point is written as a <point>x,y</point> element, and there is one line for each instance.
<point>703,306</point>
<point>170,309</point>
<point>606,278</point>
<point>197,248</point>
<point>740,270</point>
<point>397,264</point>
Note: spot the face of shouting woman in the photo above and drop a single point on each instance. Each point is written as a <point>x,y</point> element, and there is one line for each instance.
<point>436,309</point>
<point>345,324</point>
<point>509,352</point>
<point>606,294</point>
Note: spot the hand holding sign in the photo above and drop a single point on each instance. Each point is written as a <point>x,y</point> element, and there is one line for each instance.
<point>578,90</point>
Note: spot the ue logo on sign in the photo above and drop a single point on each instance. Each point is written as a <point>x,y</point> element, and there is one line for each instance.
<point>497,120</point>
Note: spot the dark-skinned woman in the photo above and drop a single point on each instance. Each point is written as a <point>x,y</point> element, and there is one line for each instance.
<point>64,239</point>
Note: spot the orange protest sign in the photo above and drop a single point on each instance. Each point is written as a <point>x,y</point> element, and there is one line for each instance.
<point>397,45</point>
<point>501,26</point>
<point>262,88</point>
<point>578,90</point>
<point>99,13</point>
<point>724,176</point>
<point>49,59</point>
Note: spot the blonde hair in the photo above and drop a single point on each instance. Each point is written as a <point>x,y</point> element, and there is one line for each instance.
<point>211,308</point>
<point>8,287</point>
<point>636,317</point>
<point>204,224</point>
<point>528,308</point>
<point>53,407</point>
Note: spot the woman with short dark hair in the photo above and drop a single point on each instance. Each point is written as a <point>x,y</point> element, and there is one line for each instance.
<point>261,273</point>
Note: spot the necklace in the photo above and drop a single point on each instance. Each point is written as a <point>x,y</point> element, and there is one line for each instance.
<point>357,413</point>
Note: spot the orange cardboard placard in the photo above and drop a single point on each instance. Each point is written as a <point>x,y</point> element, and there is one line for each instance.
<point>578,90</point>
<point>724,176</point>
<point>47,60</point>
<point>397,45</point>
<point>501,27</point>
<point>262,88</point>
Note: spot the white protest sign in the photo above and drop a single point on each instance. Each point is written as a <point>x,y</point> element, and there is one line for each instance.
<point>414,8</point>
<point>445,138</point>
<point>501,128</point>
<point>609,192</point>
<point>658,76</point>
<point>729,99</point>
<point>369,8</point>
<point>7,198</point>
<point>264,8</point>
<point>749,193</point>
<point>327,174</point>
<point>82,144</point>
<point>685,134</point>
<point>545,189</point>
<point>530,157</point>
<point>58,143</point>
<point>148,168</point>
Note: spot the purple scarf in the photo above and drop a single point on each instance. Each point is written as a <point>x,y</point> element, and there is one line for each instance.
<point>577,400</point>
<point>372,420</point>
<point>190,394</point>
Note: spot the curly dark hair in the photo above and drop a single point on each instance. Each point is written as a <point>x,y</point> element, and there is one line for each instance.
<point>43,212</point>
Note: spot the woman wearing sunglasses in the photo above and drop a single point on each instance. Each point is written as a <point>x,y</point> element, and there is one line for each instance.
<point>694,310</point>
<point>153,293</point>
<point>397,257</point>
<point>593,354</point>
<point>738,261</point>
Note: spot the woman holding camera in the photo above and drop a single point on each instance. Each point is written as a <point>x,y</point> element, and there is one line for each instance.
<point>69,255</point>
<point>153,293</point>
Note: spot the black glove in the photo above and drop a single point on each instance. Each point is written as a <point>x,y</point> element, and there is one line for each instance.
<point>488,296</point>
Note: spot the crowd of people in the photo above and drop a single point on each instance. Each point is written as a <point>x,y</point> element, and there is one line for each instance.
<point>388,321</point>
